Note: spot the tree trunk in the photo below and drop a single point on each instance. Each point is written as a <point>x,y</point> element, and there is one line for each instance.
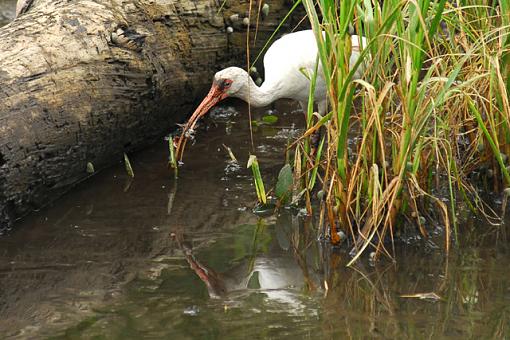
<point>85,81</point>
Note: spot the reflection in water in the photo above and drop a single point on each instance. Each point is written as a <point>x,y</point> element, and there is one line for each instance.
<point>101,261</point>
<point>278,272</point>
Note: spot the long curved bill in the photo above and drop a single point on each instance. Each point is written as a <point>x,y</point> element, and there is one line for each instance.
<point>213,97</point>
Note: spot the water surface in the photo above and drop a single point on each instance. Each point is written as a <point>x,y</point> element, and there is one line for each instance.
<point>151,257</point>
<point>157,258</point>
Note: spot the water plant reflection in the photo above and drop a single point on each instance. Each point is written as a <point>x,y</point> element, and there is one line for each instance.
<point>286,264</point>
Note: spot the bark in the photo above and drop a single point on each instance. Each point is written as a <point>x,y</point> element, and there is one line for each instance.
<point>85,81</point>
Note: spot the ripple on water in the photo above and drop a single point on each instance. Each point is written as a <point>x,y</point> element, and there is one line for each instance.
<point>232,168</point>
<point>289,133</point>
<point>223,113</point>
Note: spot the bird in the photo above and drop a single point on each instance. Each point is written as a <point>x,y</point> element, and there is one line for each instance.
<point>286,62</point>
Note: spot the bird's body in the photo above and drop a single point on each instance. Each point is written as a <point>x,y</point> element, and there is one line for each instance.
<point>285,64</point>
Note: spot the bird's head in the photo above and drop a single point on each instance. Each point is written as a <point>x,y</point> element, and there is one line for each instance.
<point>229,82</point>
<point>226,83</point>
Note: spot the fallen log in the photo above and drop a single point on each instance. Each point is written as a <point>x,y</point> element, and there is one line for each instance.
<point>85,81</point>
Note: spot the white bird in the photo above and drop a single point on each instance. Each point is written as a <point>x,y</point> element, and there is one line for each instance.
<point>284,63</point>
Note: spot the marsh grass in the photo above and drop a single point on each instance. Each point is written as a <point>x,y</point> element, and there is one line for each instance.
<point>426,126</point>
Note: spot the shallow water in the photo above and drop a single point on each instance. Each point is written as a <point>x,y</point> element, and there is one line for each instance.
<point>155,258</point>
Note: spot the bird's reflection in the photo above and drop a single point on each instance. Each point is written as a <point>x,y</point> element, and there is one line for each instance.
<point>289,265</point>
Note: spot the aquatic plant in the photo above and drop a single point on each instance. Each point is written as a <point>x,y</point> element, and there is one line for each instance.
<point>257,179</point>
<point>428,123</point>
<point>129,168</point>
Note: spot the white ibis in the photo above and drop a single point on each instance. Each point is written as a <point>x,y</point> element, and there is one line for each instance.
<point>283,65</point>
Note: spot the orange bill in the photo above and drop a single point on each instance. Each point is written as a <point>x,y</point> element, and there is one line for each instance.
<point>213,97</point>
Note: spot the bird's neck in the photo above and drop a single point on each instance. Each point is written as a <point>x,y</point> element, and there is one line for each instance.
<point>256,96</point>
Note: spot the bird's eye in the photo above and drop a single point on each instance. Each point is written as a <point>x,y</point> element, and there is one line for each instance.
<point>226,83</point>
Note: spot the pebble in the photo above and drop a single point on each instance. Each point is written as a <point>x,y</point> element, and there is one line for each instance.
<point>265,10</point>
<point>234,18</point>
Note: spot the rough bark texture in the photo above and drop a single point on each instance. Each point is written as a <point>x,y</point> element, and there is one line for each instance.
<point>84,81</point>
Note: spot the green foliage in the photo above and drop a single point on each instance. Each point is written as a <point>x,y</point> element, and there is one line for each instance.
<point>435,86</point>
<point>257,178</point>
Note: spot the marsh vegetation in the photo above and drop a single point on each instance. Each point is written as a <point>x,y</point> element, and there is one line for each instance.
<point>424,131</point>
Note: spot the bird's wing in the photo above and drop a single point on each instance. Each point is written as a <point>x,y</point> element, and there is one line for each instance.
<point>294,54</point>
<point>286,61</point>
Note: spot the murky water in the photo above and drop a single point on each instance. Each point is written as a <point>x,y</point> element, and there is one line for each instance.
<point>157,258</point>
<point>101,262</point>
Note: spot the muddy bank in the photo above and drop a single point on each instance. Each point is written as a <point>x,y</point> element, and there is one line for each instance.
<point>84,82</point>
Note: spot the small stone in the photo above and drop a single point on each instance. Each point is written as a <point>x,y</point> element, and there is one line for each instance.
<point>422,220</point>
<point>265,10</point>
<point>320,195</point>
<point>90,168</point>
<point>246,21</point>
<point>258,81</point>
<point>234,18</point>
<point>230,30</point>
<point>253,70</point>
